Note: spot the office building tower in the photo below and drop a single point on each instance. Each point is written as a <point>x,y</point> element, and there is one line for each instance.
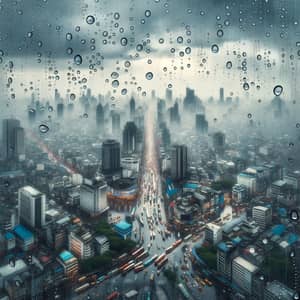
<point>12,140</point>
<point>161,107</point>
<point>221,95</point>
<point>110,156</point>
<point>99,116</point>
<point>116,124</point>
<point>201,124</point>
<point>262,216</point>
<point>213,233</point>
<point>190,101</point>
<point>93,196</point>
<point>276,290</point>
<point>70,106</point>
<point>248,180</point>
<point>225,254</point>
<point>242,273</point>
<point>132,108</point>
<point>174,114</point>
<point>81,243</point>
<point>60,110</point>
<point>102,244</point>
<point>69,263</point>
<point>130,134</point>
<point>32,205</point>
<point>165,135</point>
<point>239,193</point>
<point>179,162</point>
<point>169,95</point>
<point>31,114</point>
<point>219,142</point>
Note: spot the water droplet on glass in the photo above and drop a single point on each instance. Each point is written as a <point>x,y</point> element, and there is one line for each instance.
<point>215,48</point>
<point>85,115</point>
<point>29,34</point>
<point>292,253</point>
<point>249,116</point>
<point>123,91</point>
<point>123,41</point>
<point>50,108</point>
<point>78,59</point>
<point>229,65</point>
<point>294,215</point>
<point>188,50</point>
<point>277,90</point>
<point>69,51</point>
<point>180,40</point>
<point>115,83</point>
<point>69,36</point>
<point>220,33</point>
<point>127,64</point>
<point>149,75</point>
<point>114,75</point>
<point>90,19</point>
<point>116,16</point>
<point>72,96</point>
<point>1,52</point>
<point>43,128</point>
<point>147,13</point>
<point>246,86</point>
<point>139,47</point>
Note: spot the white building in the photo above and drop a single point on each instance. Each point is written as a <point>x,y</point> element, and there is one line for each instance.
<point>93,197</point>
<point>242,273</point>
<point>102,244</point>
<point>248,180</point>
<point>32,205</point>
<point>239,192</point>
<point>81,244</point>
<point>262,216</point>
<point>213,233</point>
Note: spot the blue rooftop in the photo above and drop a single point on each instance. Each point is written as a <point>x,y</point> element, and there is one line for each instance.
<point>9,236</point>
<point>282,212</point>
<point>123,226</point>
<point>292,238</point>
<point>278,229</point>
<point>223,247</point>
<point>23,232</point>
<point>191,185</point>
<point>66,255</point>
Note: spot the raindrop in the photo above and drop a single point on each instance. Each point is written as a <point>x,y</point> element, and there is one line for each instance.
<point>220,33</point>
<point>50,108</point>
<point>69,36</point>
<point>298,125</point>
<point>90,19</point>
<point>215,48</point>
<point>77,28</point>
<point>147,13</point>
<point>188,50</point>
<point>115,83</point>
<point>72,96</point>
<point>127,64</point>
<point>1,52</point>
<point>43,128</point>
<point>265,241</point>
<point>116,16</point>
<point>78,59</point>
<point>85,115</point>
<point>249,116</point>
<point>246,86</point>
<point>149,75</point>
<point>30,34</point>
<point>180,40</point>
<point>294,215</point>
<point>292,253</point>
<point>139,47</point>
<point>229,65</point>
<point>114,75</point>
<point>277,90</point>
<point>123,41</point>
<point>69,51</point>
<point>123,91</point>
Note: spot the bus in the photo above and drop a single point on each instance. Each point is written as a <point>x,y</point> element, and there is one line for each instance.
<point>138,252</point>
<point>81,279</point>
<point>127,269</point>
<point>82,288</point>
<point>113,272</point>
<point>126,265</point>
<point>113,295</point>
<point>169,249</point>
<point>122,258</point>
<point>101,279</point>
<point>177,243</point>
<point>162,263</point>
<point>159,259</point>
<point>189,236</point>
<point>142,255</point>
<point>150,260</point>
<point>139,268</point>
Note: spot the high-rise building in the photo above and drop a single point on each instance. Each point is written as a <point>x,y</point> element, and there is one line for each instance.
<point>169,95</point>
<point>31,114</point>
<point>99,116</point>
<point>179,162</point>
<point>165,135</point>
<point>225,254</point>
<point>130,134</point>
<point>262,216</point>
<point>190,101</point>
<point>222,95</point>
<point>201,123</point>
<point>116,124</point>
<point>213,233</point>
<point>32,205</point>
<point>132,108</point>
<point>93,196</point>
<point>81,243</point>
<point>276,290</point>
<point>242,273</point>
<point>174,114</point>
<point>13,140</point>
<point>69,263</point>
<point>110,156</point>
<point>219,142</point>
<point>60,110</point>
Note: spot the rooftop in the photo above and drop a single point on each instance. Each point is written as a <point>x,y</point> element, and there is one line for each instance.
<point>245,264</point>
<point>31,190</point>
<point>280,290</point>
<point>65,255</point>
<point>23,232</point>
<point>123,225</point>
<point>8,269</point>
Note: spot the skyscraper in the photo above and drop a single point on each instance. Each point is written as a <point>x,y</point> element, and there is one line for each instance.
<point>132,108</point>
<point>262,216</point>
<point>32,204</point>
<point>169,95</point>
<point>99,116</point>
<point>13,139</point>
<point>60,110</point>
<point>130,133</point>
<point>219,142</point>
<point>179,162</point>
<point>110,156</point>
<point>201,123</point>
<point>222,95</point>
<point>115,118</point>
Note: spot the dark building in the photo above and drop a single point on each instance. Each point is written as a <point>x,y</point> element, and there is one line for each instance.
<point>12,139</point>
<point>110,156</point>
<point>165,135</point>
<point>179,162</point>
<point>169,95</point>
<point>222,95</point>
<point>130,135</point>
<point>60,110</point>
<point>161,107</point>
<point>31,114</point>
<point>201,123</point>
<point>189,102</point>
<point>174,114</point>
<point>116,126</point>
<point>99,115</point>
<point>132,108</point>
<point>219,142</point>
